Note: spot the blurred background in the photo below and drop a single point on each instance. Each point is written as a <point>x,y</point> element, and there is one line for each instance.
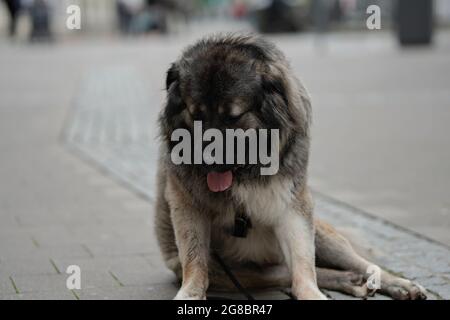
<point>381,136</point>
<point>137,17</point>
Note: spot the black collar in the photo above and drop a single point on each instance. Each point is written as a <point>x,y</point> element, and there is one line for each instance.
<point>241,225</point>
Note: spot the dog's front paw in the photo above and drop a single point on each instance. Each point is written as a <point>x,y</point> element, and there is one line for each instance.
<point>187,295</point>
<point>312,296</point>
<point>309,293</point>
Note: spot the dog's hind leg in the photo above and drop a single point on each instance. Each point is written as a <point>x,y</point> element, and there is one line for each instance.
<point>347,282</point>
<point>335,251</point>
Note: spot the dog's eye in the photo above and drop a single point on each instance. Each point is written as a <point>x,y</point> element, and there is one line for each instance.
<point>233,118</point>
<point>197,116</point>
<point>196,113</point>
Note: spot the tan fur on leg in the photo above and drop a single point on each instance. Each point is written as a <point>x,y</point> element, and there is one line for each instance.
<point>334,251</point>
<point>192,235</point>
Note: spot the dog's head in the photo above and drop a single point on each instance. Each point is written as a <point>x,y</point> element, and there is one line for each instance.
<point>236,82</point>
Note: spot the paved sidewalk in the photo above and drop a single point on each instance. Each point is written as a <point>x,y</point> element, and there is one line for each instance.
<point>84,197</point>
<point>124,146</point>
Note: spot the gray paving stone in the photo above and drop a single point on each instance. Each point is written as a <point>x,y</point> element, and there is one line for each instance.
<point>338,296</point>
<point>13,245</point>
<point>41,295</point>
<point>45,236</point>
<point>150,276</point>
<point>30,251</point>
<point>118,248</point>
<point>40,283</point>
<point>85,233</point>
<point>435,280</point>
<point>9,296</point>
<point>270,295</point>
<point>154,292</point>
<point>442,290</point>
<point>6,286</point>
<point>93,275</point>
<point>412,272</point>
<point>9,221</point>
<point>119,271</point>
<point>26,266</point>
<point>224,296</point>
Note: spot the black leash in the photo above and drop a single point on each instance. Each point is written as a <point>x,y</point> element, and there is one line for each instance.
<point>232,277</point>
<point>242,224</point>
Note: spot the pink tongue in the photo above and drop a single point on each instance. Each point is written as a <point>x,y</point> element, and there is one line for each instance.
<point>219,181</point>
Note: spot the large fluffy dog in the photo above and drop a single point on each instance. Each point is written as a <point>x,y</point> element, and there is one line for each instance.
<point>245,82</point>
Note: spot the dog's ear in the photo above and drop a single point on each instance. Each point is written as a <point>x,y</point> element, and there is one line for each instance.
<point>274,85</point>
<point>172,75</point>
<point>274,105</point>
<point>287,109</point>
<point>173,84</point>
<point>175,103</point>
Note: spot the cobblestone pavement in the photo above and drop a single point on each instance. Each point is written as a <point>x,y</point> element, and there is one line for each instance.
<point>112,131</point>
<point>57,209</point>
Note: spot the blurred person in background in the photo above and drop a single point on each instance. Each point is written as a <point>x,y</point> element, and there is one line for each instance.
<point>239,9</point>
<point>143,16</point>
<point>274,16</point>
<point>125,11</point>
<point>151,17</point>
<point>40,14</point>
<point>321,14</point>
<point>13,7</point>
